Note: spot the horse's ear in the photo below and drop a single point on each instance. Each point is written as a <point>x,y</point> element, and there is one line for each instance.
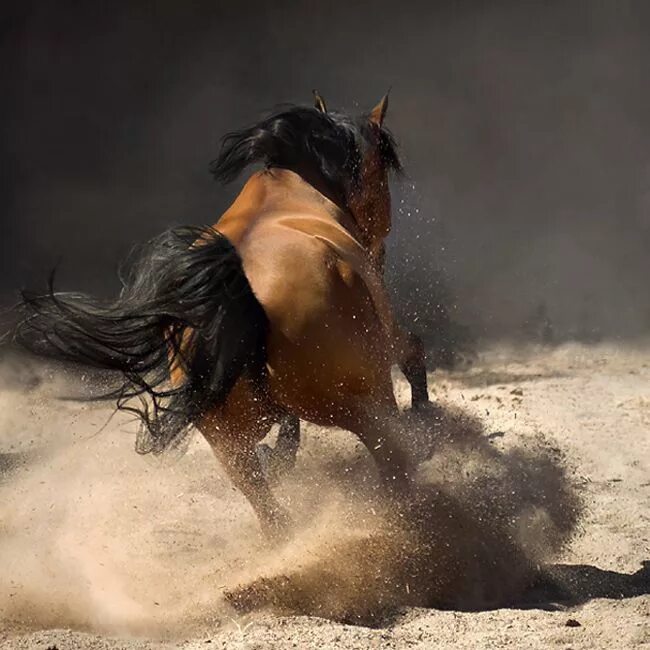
<point>378,113</point>
<point>319,102</point>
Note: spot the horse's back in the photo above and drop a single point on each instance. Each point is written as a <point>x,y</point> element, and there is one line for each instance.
<point>328,336</point>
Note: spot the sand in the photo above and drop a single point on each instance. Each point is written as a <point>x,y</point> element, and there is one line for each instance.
<point>531,530</point>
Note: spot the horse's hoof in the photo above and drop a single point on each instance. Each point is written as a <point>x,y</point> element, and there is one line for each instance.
<point>274,463</point>
<point>427,409</point>
<point>264,455</point>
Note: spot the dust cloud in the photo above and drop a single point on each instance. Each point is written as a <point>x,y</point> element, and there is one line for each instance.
<point>473,535</point>
<point>94,537</point>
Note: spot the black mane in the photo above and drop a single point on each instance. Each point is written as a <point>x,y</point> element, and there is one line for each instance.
<point>300,138</point>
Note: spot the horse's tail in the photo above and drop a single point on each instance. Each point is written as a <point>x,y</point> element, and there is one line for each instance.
<point>186,306</point>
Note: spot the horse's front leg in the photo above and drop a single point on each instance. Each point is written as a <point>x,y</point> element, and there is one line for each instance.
<point>412,362</point>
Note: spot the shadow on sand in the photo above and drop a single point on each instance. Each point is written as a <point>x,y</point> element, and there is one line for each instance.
<point>568,585</point>
<point>13,461</point>
<point>558,587</point>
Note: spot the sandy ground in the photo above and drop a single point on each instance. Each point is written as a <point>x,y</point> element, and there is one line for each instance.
<point>101,548</point>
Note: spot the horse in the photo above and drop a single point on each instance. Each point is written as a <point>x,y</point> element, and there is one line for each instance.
<point>278,311</point>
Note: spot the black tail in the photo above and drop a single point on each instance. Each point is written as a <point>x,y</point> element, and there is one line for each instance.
<point>186,301</point>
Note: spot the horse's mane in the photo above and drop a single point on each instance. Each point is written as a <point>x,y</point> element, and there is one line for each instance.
<point>299,138</point>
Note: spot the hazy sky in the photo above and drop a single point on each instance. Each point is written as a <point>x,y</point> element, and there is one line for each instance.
<point>524,128</point>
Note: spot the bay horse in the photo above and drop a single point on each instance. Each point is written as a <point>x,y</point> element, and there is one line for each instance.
<point>276,312</point>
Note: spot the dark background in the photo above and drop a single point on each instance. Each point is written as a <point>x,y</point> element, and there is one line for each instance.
<point>524,128</point>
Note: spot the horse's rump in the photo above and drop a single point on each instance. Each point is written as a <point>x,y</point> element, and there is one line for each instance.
<point>326,337</point>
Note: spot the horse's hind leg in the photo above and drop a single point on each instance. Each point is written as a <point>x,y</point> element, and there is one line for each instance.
<point>377,424</point>
<point>233,432</point>
<point>393,463</point>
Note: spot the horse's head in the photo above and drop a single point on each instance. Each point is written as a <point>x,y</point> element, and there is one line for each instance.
<point>368,198</point>
<point>347,159</point>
